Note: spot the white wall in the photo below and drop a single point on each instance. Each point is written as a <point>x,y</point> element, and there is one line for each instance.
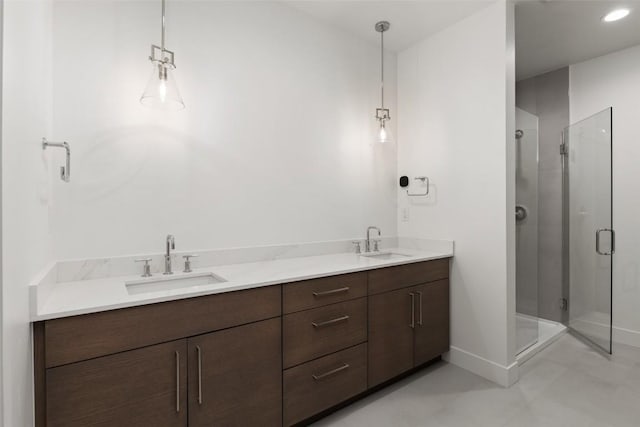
<point>614,81</point>
<point>456,123</point>
<point>26,118</point>
<point>273,147</point>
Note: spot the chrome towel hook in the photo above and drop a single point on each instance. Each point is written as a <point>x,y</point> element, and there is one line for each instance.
<point>424,180</point>
<point>65,171</point>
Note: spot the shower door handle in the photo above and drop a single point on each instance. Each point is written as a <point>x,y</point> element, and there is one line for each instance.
<point>613,241</point>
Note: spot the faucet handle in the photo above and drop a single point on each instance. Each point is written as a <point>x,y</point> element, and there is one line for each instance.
<point>146,268</point>
<point>375,245</point>
<point>356,244</point>
<point>187,262</point>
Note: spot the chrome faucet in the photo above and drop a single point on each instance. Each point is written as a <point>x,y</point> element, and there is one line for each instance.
<point>171,244</point>
<point>367,244</point>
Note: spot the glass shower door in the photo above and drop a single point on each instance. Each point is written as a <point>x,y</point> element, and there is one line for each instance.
<point>591,239</point>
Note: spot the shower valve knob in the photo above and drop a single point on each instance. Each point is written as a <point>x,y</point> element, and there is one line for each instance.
<point>521,213</point>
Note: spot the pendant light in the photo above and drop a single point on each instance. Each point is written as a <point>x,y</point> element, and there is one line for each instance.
<point>162,91</point>
<point>382,114</point>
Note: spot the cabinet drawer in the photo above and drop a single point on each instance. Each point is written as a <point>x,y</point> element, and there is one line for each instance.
<point>314,333</point>
<point>402,276</point>
<point>323,383</point>
<point>77,338</point>
<point>324,291</point>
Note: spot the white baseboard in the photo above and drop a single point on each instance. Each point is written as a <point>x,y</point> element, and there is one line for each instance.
<point>620,335</point>
<point>505,376</point>
<point>626,336</point>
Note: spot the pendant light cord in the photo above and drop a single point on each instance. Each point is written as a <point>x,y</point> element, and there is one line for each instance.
<point>381,66</point>
<point>163,24</point>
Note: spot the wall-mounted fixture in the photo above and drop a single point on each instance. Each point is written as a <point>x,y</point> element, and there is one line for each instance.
<point>162,91</point>
<point>404,183</point>
<point>65,171</point>
<point>382,114</point>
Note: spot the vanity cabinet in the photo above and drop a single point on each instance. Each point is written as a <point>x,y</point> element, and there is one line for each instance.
<point>431,333</point>
<point>408,323</point>
<point>140,366</point>
<point>235,376</point>
<point>324,344</point>
<point>271,356</point>
<point>146,387</point>
<point>227,378</point>
<point>390,335</point>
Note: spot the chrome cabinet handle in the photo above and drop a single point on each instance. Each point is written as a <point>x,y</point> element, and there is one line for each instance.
<point>613,241</point>
<point>331,292</point>
<point>330,322</point>
<point>420,308</point>
<point>177,382</point>
<point>412,325</point>
<point>199,374</point>
<point>331,372</point>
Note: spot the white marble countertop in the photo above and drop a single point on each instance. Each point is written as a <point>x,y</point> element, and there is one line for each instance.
<point>62,299</point>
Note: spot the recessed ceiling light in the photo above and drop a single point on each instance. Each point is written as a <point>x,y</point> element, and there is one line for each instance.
<point>616,15</point>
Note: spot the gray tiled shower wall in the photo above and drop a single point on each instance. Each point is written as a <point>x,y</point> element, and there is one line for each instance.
<point>547,96</point>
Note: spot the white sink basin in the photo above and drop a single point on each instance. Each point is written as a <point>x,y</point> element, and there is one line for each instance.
<point>167,283</point>
<point>385,255</point>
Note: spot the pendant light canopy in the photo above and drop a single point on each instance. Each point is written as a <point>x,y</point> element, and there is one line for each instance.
<point>162,91</point>
<point>382,114</point>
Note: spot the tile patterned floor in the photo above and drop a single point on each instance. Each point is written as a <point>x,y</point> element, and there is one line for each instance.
<point>565,385</point>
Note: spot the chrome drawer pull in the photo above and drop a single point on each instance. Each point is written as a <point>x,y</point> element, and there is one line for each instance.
<point>412,325</point>
<point>330,322</point>
<point>177,382</point>
<point>331,292</point>
<point>420,307</point>
<point>199,374</point>
<point>332,372</point>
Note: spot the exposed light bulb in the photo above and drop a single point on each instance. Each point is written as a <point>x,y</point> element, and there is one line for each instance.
<point>616,15</point>
<point>383,136</point>
<point>162,90</point>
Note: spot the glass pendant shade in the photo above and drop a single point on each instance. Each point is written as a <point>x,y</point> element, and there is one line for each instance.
<point>383,133</point>
<point>162,91</point>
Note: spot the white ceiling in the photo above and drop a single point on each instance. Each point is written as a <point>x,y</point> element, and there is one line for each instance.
<point>550,34</point>
<point>554,34</point>
<point>411,21</point>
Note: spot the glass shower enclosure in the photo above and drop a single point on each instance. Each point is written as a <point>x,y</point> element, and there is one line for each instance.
<point>587,228</point>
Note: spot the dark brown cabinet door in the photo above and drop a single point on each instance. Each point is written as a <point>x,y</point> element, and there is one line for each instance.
<point>390,335</point>
<point>144,387</point>
<point>432,321</point>
<point>235,376</point>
